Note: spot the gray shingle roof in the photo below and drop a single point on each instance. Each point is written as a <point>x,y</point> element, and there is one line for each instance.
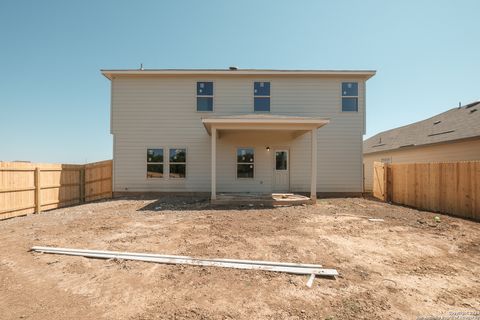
<point>454,124</point>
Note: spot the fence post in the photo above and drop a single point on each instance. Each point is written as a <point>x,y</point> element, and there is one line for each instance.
<point>38,204</point>
<point>385,187</point>
<point>82,185</point>
<point>388,183</point>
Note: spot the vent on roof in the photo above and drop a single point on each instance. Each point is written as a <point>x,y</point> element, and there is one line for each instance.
<point>378,145</point>
<point>407,145</point>
<point>437,122</point>
<point>473,110</point>
<point>444,132</point>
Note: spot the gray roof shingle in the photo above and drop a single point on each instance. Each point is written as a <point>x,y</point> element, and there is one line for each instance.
<point>454,124</point>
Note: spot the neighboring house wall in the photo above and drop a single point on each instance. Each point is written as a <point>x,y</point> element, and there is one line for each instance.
<point>442,152</point>
<point>160,111</point>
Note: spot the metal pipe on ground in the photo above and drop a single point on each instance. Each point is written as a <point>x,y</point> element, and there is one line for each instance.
<point>292,268</point>
<point>87,251</point>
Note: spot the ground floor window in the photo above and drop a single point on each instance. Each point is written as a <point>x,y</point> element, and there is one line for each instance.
<point>155,163</point>
<point>245,163</point>
<point>178,163</point>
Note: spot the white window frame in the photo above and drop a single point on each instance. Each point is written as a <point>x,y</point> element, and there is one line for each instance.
<point>205,96</point>
<point>269,96</point>
<point>237,163</point>
<point>342,96</point>
<point>170,163</point>
<point>149,162</point>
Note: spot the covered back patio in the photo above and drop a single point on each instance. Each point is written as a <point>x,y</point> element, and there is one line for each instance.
<point>259,125</point>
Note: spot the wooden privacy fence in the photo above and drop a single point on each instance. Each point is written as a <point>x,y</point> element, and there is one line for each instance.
<point>34,187</point>
<point>447,187</point>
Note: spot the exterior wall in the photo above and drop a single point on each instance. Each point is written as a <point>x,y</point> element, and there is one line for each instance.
<point>453,151</point>
<point>152,112</point>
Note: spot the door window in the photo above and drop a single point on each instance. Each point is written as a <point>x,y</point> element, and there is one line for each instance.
<point>281,159</point>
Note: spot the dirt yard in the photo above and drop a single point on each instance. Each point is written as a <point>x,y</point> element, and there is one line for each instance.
<point>406,267</point>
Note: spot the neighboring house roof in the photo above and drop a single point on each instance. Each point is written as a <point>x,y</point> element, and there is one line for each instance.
<point>454,124</point>
<point>235,71</point>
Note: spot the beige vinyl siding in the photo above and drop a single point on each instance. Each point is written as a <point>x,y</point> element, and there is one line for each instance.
<point>451,151</point>
<point>153,112</point>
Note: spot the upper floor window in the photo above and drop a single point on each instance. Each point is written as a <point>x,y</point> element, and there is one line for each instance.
<point>350,96</point>
<point>261,96</point>
<point>154,163</point>
<point>204,96</point>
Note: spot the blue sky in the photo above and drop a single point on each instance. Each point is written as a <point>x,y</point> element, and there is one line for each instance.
<point>54,103</point>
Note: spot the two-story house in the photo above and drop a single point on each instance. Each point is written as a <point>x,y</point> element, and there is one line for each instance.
<point>238,130</point>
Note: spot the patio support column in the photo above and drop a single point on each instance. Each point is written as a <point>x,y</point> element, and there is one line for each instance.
<point>313,185</point>
<point>214,164</point>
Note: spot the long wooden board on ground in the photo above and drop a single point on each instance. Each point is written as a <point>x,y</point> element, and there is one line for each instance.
<point>293,268</point>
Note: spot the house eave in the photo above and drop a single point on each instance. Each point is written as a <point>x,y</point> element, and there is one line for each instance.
<point>110,73</point>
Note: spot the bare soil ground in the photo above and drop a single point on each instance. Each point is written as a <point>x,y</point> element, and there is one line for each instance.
<point>405,267</point>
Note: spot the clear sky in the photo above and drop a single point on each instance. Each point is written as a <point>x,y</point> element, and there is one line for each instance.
<point>54,103</point>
